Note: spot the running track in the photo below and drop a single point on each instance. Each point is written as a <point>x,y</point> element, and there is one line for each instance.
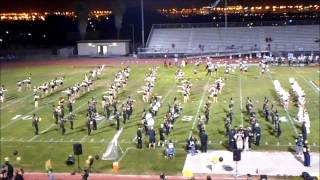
<point>100,61</point>
<point>65,176</point>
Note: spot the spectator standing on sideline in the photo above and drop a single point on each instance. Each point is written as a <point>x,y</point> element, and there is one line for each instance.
<point>204,141</point>
<point>35,124</point>
<point>304,131</point>
<point>9,169</point>
<point>50,175</point>
<point>258,134</point>
<point>139,138</point>
<point>306,154</point>
<point>85,175</point>
<point>299,145</point>
<point>19,174</point>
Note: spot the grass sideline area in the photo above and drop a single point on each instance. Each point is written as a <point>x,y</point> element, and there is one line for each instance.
<point>50,144</point>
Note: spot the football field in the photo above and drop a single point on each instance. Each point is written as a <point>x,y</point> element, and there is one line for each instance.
<point>17,132</point>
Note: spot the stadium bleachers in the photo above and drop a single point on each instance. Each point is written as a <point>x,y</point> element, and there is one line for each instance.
<point>220,39</point>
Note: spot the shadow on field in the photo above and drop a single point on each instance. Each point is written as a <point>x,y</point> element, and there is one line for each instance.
<point>9,98</point>
<point>54,129</point>
<point>293,152</point>
<point>270,129</point>
<point>225,144</point>
<point>261,113</point>
<point>221,132</point>
<point>73,132</point>
<point>291,149</point>
<point>133,125</point>
<point>273,94</point>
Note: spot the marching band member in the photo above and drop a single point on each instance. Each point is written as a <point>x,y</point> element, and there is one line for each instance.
<point>2,93</point>
<point>36,98</point>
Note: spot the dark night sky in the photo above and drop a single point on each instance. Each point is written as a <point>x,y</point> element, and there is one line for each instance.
<point>51,5</point>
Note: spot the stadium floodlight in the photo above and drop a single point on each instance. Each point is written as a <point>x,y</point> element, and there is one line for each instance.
<point>213,5</point>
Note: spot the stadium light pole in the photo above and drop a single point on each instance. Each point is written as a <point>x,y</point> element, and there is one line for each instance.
<point>225,13</point>
<point>142,23</point>
<point>132,30</point>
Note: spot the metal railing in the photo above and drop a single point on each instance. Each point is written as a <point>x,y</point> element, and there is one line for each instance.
<point>220,49</point>
<point>237,24</point>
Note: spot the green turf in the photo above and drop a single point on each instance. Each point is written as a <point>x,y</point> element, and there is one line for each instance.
<point>18,135</point>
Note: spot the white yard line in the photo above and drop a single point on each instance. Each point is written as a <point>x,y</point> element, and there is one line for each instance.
<point>14,102</point>
<point>8,124</point>
<point>288,115</point>
<point>29,113</point>
<point>134,139</point>
<point>125,152</point>
<point>310,84</point>
<point>162,100</point>
<point>47,128</point>
<point>114,140</point>
<point>34,137</point>
<point>37,109</point>
<point>291,122</point>
<point>316,87</point>
<point>12,140</point>
<point>99,125</point>
<point>199,107</point>
<point>240,84</point>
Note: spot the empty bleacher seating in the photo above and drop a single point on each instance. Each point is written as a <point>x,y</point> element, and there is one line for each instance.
<point>220,39</point>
